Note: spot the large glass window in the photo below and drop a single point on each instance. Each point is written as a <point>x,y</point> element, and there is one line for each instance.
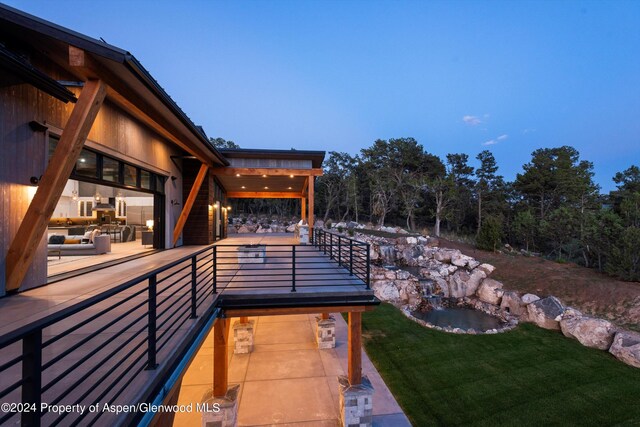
<point>130,175</point>
<point>87,164</point>
<point>110,169</point>
<point>145,179</point>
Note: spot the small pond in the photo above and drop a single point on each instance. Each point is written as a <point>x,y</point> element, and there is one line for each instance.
<point>458,317</point>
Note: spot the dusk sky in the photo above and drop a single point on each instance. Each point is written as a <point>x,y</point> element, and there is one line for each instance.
<point>459,76</point>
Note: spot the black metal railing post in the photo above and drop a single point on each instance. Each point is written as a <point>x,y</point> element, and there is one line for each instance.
<point>215,269</point>
<point>293,268</point>
<point>32,374</point>
<point>151,339</point>
<point>324,242</point>
<point>340,251</point>
<point>193,288</point>
<point>350,257</point>
<point>330,246</point>
<point>368,267</point>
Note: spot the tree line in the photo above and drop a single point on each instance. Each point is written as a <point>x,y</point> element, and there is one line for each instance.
<point>553,207</point>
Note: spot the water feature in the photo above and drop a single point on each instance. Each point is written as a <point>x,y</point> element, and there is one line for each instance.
<point>460,317</point>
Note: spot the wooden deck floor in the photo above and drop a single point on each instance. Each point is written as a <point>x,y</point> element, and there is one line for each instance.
<point>128,308</point>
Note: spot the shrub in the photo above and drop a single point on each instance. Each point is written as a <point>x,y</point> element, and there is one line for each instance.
<point>340,229</point>
<point>350,232</point>
<point>328,224</point>
<point>490,235</point>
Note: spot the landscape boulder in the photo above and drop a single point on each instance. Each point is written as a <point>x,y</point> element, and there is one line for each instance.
<point>626,347</point>
<point>386,290</point>
<point>529,298</point>
<point>445,255</point>
<point>512,303</point>
<point>490,291</point>
<point>545,312</point>
<point>589,331</point>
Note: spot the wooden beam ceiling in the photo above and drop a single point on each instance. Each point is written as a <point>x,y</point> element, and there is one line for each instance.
<point>266,171</point>
<point>262,195</point>
<point>243,312</point>
<point>34,224</point>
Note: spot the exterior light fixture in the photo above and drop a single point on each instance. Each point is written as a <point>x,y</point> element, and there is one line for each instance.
<point>237,174</point>
<point>97,197</point>
<point>243,187</point>
<point>228,208</point>
<point>74,195</point>
<point>266,188</point>
<point>290,176</point>
<point>288,188</point>
<point>264,176</point>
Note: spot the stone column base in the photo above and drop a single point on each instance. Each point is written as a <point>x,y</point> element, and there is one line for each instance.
<point>326,332</point>
<point>220,411</point>
<point>243,337</point>
<point>356,402</point>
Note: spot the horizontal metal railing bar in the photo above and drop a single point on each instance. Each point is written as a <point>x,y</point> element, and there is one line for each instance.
<point>10,388</point>
<point>180,270</point>
<point>201,273</point>
<point>86,357</point>
<point>11,362</point>
<point>89,373</point>
<point>21,332</point>
<point>7,417</point>
<point>175,328</point>
<point>180,281</point>
<point>106,375</point>
<point>90,319</point>
<point>169,316</point>
<point>97,332</point>
<point>286,245</point>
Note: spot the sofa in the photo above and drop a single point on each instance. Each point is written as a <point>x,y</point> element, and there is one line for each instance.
<point>100,244</point>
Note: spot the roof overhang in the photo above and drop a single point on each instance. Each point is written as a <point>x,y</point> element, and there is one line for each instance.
<point>130,85</point>
<point>269,174</point>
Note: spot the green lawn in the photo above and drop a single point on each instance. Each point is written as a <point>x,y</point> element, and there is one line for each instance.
<point>529,376</point>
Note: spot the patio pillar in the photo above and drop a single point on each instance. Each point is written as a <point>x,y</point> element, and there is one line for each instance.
<point>243,336</point>
<point>303,204</point>
<point>221,402</point>
<point>326,331</point>
<point>356,391</point>
<point>311,194</point>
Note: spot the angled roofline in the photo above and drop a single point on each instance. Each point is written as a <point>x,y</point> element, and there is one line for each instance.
<point>316,157</point>
<point>108,51</point>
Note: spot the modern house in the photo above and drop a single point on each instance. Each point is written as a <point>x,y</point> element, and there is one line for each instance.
<point>106,184</point>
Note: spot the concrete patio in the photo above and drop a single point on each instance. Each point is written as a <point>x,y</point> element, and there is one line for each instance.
<point>286,380</point>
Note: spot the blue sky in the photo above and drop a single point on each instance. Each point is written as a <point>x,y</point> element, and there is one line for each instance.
<point>459,76</point>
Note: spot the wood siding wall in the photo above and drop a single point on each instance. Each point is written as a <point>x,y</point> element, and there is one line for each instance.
<point>23,154</point>
<point>198,229</point>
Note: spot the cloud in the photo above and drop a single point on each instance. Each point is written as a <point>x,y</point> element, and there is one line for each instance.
<point>471,120</point>
<point>496,140</point>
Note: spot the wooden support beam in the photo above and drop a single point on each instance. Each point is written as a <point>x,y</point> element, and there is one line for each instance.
<point>355,348</point>
<point>305,186</point>
<point>244,319</point>
<point>311,196</point>
<point>262,195</point>
<point>303,202</point>
<point>220,357</point>
<point>324,316</point>
<point>221,171</point>
<point>186,210</point>
<point>34,225</point>
<point>240,312</point>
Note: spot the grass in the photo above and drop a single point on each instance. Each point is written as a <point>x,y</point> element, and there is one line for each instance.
<point>526,377</point>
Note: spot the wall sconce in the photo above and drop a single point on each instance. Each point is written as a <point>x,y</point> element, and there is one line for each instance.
<point>34,180</point>
<point>173,178</point>
<point>175,202</point>
<point>74,195</point>
<point>97,197</point>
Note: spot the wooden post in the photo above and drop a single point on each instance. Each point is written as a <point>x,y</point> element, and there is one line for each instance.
<point>311,193</point>
<point>25,243</point>
<point>202,173</point>
<point>220,359</point>
<point>355,348</point>
<point>325,316</point>
<point>303,202</point>
<point>244,319</point>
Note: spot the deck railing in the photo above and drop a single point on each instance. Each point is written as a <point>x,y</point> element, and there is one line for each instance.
<point>93,351</point>
<point>98,351</point>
